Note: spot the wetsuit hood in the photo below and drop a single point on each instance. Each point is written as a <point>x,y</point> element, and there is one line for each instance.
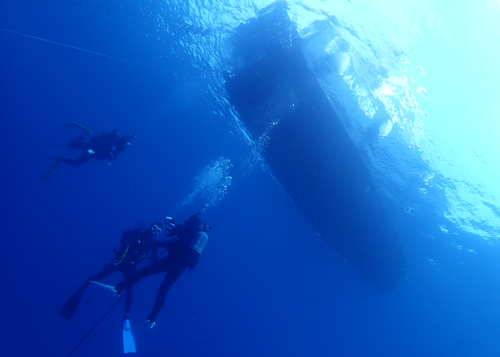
<point>194,220</point>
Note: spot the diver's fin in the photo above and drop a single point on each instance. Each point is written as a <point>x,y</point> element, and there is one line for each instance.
<point>128,338</point>
<point>72,123</point>
<point>53,169</point>
<point>70,306</point>
<point>105,286</point>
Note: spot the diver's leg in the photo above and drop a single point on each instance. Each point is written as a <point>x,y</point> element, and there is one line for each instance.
<point>154,268</point>
<point>129,296</point>
<point>52,170</point>
<point>108,269</point>
<point>78,125</point>
<point>71,305</point>
<point>82,159</point>
<point>172,276</point>
<point>127,273</point>
<point>77,144</point>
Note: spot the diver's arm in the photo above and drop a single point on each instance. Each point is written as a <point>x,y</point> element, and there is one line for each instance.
<point>174,230</point>
<point>110,158</point>
<point>168,244</point>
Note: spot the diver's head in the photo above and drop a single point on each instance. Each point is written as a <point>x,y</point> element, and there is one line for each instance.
<point>156,228</point>
<point>169,223</point>
<point>194,220</point>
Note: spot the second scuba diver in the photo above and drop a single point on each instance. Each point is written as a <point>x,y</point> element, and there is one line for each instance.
<point>184,250</point>
<point>106,146</point>
<point>135,247</point>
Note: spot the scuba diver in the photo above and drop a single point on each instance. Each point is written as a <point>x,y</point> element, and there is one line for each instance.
<point>107,146</point>
<point>135,247</point>
<point>184,250</point>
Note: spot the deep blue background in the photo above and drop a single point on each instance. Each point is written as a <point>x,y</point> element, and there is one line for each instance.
<point>266,284</point>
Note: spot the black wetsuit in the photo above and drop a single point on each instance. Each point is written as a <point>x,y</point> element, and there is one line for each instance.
<point>136,245</point>
<point>180,256</point>
<point>106,146</point>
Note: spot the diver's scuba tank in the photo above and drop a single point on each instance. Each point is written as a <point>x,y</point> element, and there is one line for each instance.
<point>199,241</point>
<point>196,246</point>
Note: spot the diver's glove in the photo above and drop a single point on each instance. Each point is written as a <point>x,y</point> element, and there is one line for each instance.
<point>150,322</point>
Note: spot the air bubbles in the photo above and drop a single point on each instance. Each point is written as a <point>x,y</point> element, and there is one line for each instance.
<point>211,183</point>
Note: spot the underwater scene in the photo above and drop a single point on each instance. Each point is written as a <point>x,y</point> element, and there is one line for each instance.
<point>250,178</point>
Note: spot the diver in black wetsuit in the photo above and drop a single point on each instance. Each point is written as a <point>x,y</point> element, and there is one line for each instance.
<point>107,146</point>
<point>135,247</point>
<point>184,250</point>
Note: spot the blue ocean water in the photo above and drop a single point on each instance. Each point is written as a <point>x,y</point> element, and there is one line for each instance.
<point>415,83</point>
